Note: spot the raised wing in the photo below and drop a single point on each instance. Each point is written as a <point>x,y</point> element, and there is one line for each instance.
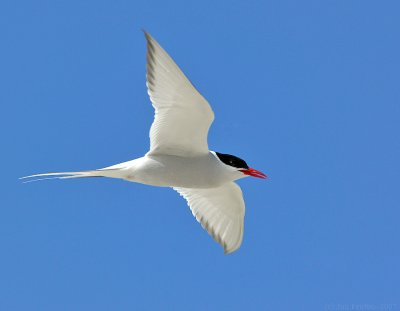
<point>182,115</point>
<point>220,211</point>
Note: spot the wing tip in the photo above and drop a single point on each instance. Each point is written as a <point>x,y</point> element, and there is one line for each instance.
<point>230,250</point>
<point>147,35</point>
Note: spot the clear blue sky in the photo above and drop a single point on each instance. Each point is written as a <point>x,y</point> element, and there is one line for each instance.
<point>307,91</point>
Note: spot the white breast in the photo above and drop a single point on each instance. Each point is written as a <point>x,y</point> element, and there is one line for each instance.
<point>174,171</point>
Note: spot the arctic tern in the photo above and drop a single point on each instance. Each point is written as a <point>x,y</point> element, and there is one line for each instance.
<point>179,156</point>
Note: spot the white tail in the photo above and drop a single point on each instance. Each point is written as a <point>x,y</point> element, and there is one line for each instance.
<point>66,175</point>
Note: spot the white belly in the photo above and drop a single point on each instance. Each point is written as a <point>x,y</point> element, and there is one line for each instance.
<point>173,171</point>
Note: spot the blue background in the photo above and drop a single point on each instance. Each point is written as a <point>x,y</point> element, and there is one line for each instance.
<point>306,91</point>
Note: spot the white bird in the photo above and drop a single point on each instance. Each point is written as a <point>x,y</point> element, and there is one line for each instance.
<point>179,156</point>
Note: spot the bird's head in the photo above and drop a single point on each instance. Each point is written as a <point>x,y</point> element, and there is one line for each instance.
<point>239,165</point>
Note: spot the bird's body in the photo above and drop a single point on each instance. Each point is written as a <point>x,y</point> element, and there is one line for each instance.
<point>202,171</point>
<point>179,156</point>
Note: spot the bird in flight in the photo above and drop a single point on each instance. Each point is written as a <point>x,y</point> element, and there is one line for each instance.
<point>179,156</point>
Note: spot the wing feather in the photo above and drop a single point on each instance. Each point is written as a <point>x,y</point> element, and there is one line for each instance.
<point>220,211</point>
<point>182,115</point>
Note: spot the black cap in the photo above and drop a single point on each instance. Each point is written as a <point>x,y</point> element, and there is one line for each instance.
<point>231,160</point>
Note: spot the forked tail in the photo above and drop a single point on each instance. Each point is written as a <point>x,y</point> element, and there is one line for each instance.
<point>65,175</point>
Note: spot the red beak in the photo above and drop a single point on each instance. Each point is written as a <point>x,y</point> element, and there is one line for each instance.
<point>253,172</point>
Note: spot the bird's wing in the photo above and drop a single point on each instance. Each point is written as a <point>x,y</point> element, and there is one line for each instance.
<point>220,211</point>
<point>182,115</point>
